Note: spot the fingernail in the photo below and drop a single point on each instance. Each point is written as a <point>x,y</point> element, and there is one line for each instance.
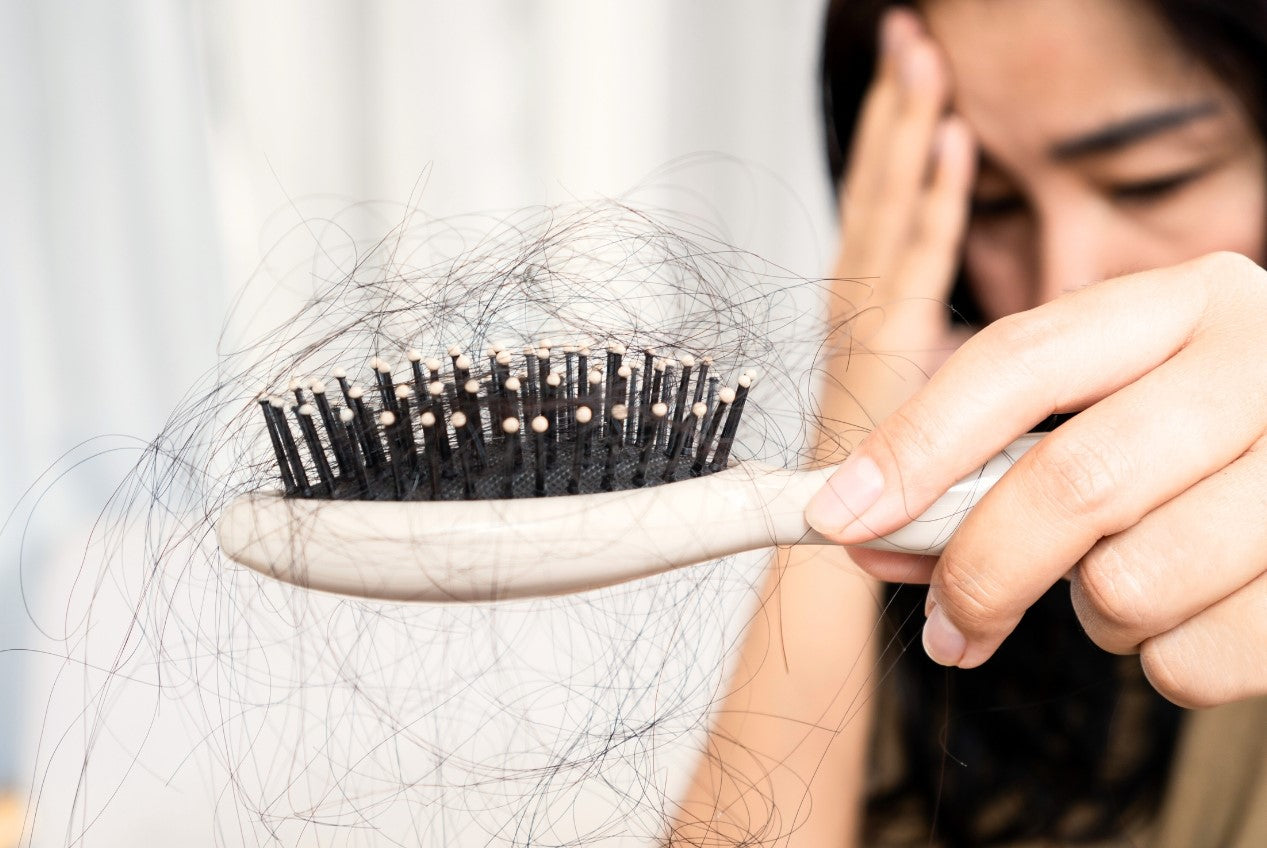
<point>851,491</point>
<point>944,644</point>
<point>890,34</point>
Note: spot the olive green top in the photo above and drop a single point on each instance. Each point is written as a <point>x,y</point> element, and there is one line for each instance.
<point>1217,794</point>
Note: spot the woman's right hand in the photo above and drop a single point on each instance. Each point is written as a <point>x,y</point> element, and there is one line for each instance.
<point>904,204</point>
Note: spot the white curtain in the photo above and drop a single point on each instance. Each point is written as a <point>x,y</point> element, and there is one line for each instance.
<point>154,151</point>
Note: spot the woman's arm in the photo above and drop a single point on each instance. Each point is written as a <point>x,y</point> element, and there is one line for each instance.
<point>784,760</point>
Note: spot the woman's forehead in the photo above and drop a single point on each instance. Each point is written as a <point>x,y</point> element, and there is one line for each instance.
<point>1029,74</point>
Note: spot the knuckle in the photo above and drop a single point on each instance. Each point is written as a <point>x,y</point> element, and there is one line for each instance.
<point>1109,582</point>
<point>1017,333</point>
<point>1227,263</point>
<point>909,436</point>
<point>1226,272</point>
<point>973,604</point>
<point>1081,475</point>
<point>1016,345</point>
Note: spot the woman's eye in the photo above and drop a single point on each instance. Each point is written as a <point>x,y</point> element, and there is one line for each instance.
<point>1154,189</point>
<point>996,207</point>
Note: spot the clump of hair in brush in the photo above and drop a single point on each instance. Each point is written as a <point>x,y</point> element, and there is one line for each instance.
<point>578,350</point>
<point>480,357</point>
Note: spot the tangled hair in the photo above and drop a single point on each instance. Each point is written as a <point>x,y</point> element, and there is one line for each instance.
<point>305,718</point>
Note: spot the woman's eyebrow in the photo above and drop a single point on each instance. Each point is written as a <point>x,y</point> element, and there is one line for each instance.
<point>1118,135</point>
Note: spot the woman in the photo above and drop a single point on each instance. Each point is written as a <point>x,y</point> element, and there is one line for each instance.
<point>1007,155</point>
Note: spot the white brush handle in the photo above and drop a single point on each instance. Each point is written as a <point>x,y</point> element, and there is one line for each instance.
<point>494,550</point>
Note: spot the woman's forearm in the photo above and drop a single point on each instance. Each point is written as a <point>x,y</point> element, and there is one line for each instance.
<point>784,761</point>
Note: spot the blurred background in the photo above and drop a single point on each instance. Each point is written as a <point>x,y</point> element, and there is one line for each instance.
<point>155,150</point>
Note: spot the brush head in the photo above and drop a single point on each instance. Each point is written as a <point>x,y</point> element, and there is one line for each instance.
<point>538,479</point>
<point>447,438</point>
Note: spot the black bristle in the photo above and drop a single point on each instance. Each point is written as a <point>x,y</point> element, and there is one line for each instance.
<point>291,449</point>
<point>530,376</point>
<point>680,444</point>
<point>580,450</point>
<point>474,416</point>
<point>515,409</point>
<point>610,378</point>
<point>651,391</point>
<point>677,436</point>
<point>370,444</point>
<point>666,398</point>
<point>303,415</point>
<point>644,398</point>
<point>479,452</point>
<point>283,462</point>
<point>706,441</point>
<point>332,429</point>
<point>701,376</point>
<point>383,375</point>
<point>352,443</point>
<point>431,439</point>
<point>461,367</point>
<point>621,390</point>
<point>550,391</point>
<point>612,442</point>
<point>647,441</point>
<point>722,454</point>
<point>510,431</point>
<point>539,427</point>
<point>680,406</point>
<point>569,360</point>
<point>435,394</point>
<point>543,374</point>
<point>344,386</point>
<point>594,399</point>
<point>420,379</point>
<point>464,452</point>
<point>635,410</point>
<point>396,462</point>
<point>405,434</point>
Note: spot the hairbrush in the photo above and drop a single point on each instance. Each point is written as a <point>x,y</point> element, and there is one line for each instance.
<point>554,470</point>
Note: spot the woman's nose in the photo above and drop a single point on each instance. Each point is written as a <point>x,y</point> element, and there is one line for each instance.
<point>1073,254</point>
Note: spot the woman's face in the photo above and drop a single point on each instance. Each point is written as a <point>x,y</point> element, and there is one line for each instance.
<point>1104,148</point>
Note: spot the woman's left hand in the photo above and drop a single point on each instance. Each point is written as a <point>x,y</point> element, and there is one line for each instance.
<point>1153,500</point>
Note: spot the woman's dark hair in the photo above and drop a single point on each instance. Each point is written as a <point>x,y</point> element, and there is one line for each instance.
<point>1052,738</point>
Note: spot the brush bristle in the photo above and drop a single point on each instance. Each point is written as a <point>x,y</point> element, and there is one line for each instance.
<point>558,428</point>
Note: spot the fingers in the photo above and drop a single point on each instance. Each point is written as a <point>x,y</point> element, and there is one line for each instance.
<point>1150,354</point>
<point>894,567</point>
<point>1096,476</point>
<point>1059,357</point>
<point>1180,559</point>
<point>1216,657</point>
<point>890,158</point>
<point>941,216</point>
